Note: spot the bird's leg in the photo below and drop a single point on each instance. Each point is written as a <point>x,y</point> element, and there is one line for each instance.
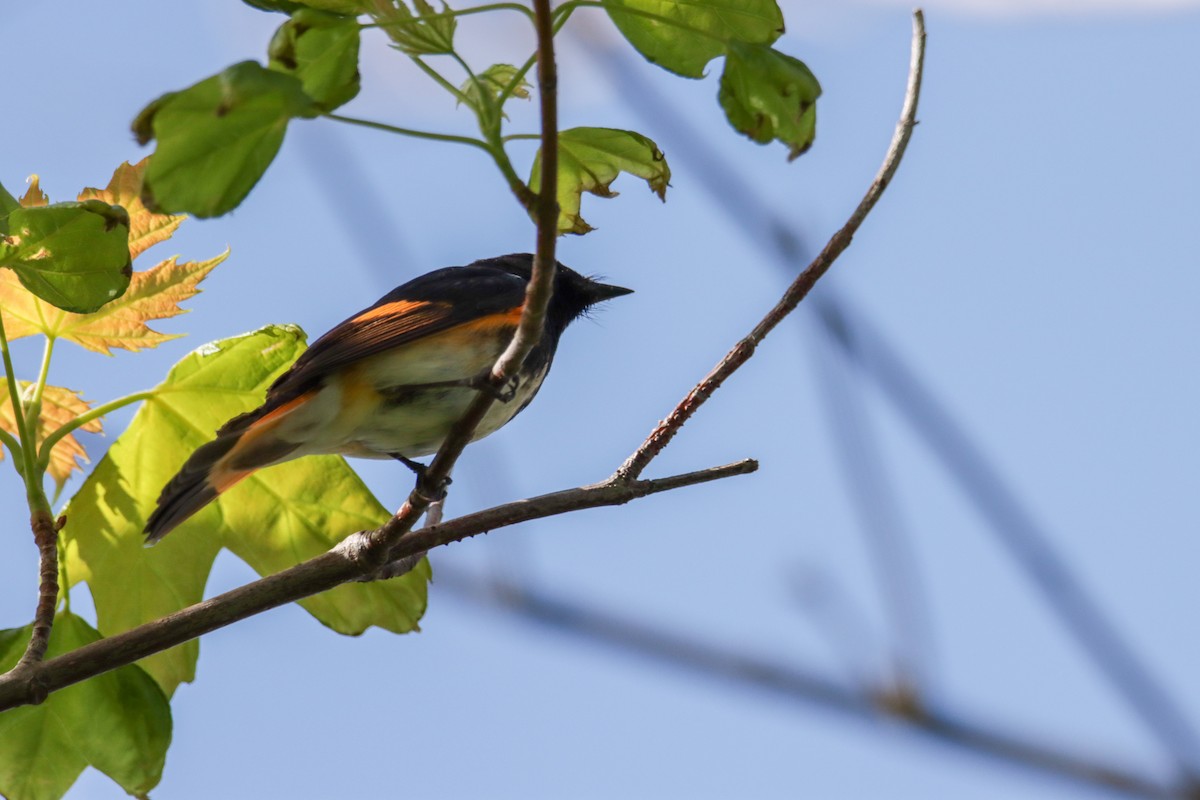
<point>504,393</point>
<point>433,493</point>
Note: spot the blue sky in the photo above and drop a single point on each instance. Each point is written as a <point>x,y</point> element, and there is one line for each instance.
<point>1035,260</point>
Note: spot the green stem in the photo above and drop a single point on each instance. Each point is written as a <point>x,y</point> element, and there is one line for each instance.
<point>85,418</point>
<point>439,80</point>
<point>14,390</point>
<point>514,137</point>
<point>437,137</point>
<point>524,194</point>
<point>14,447</point>
<point>33,411</point>
<point>64,581</point>
<point>34,494</point>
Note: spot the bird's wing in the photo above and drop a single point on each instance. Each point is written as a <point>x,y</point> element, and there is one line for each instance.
<point>422,307</point>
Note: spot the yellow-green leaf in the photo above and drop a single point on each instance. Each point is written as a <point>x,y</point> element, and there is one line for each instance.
<point>590,159</point>
<point>483,91</point>
<point>118,722</point>
<point>421,34</point>
<point>274,519</point>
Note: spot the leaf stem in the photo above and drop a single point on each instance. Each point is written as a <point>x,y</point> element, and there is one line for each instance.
<point>34,494</point>
<point>85,418</point>
<point>440,80</point>
<point>33,411</point>
<point>14,390</point>
<point>437,137</point>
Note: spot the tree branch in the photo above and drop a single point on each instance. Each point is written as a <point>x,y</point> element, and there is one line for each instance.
<point>743,350</point>
<point>45,534</point>
<point>634,637</point>
<point>340,565</point>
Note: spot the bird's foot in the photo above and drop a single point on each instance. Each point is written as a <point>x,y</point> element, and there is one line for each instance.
<point>425,485</point>
<point>505,392</point>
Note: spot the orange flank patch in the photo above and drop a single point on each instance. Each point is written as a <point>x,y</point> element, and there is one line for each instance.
<point>256,447</point>
<point>508,318</point>
<point>396,309</point>
<point>275,414</point>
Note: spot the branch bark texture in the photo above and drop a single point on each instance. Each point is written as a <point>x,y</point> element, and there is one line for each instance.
<point>346,562</point>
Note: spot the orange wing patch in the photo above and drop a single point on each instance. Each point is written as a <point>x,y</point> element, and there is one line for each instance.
<point>391,310</point>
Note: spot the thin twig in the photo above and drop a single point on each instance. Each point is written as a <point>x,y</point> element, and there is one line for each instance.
<point>340,565</point>
<point>744,349</point>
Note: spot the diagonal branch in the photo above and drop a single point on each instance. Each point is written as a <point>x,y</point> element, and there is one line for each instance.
<point>743,350</point>
<point>340,565</point>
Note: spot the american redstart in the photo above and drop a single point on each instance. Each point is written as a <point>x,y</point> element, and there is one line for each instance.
<point>390,381</point>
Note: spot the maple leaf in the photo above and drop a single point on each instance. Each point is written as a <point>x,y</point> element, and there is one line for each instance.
<point>146,228</point>
<point>152,294</point>
<point>59,406</point>
<point>34,196</point>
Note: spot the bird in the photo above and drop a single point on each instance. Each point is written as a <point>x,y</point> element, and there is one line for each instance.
<point>390,381</point>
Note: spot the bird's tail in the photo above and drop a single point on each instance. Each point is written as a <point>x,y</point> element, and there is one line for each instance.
<point>243,445</point>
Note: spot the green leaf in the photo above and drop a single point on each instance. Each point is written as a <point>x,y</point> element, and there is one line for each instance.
<point>343,7</point>
<point>274,519</point>
<point>589,160</point>
<point>483,91</point>
<point>282,6</point>
<point>118,722</point>
<point>701,32</point>
<point>322,51</point>
<point>768,95</point>
<point>74,255</point>
<point>217,138</point>
<point>420,34</point>
<point>8,204</point>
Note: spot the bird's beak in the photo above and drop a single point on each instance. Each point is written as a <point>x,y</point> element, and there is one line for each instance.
<point>604,291</point>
